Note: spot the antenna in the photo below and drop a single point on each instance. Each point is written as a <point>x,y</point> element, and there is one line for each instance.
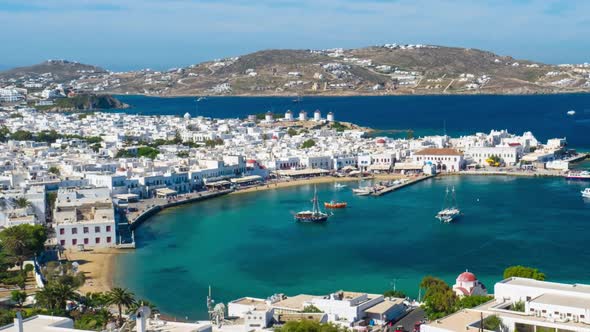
<point>445,127</point>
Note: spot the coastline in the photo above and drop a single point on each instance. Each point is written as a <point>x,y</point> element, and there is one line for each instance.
<point>313,180</point>
<point>356,94</point>
<point>98,267</point>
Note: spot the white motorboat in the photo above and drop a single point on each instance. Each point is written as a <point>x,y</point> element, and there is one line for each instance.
<point>571,112</point>
<point>339,185</point>
<point>585,193</point>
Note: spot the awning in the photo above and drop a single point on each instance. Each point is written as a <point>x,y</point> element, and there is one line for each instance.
<point>165,192</point>
<point>218,183</point>
<point>127,196</point>
<point>246,179</point>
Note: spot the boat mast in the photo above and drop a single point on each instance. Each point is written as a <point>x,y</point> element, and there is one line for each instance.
<point>316,207</point>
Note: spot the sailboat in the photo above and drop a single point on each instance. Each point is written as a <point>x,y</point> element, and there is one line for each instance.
<point>450,211</point>
<point>315,215</point>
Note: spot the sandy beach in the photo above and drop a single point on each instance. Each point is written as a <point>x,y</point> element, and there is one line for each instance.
<point>314,180</point>
<point>97,265</point>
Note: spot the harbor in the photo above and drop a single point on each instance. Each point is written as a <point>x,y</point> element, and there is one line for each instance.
<point>259,233</point>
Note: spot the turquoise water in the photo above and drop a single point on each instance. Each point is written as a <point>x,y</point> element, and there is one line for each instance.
<point>544,115</point>
<point>249,245</point>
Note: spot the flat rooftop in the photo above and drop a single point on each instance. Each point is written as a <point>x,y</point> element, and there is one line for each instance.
<point>563,300</point>
<point>578,288</point>
<point>259,304</point>
<point>383,307</point>
<point>295,302</point>
<point>459,321</point>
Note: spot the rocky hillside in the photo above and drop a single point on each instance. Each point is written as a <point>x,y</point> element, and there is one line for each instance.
<point>384,69</point>
<point>58,71</point>
<point>84,102</point>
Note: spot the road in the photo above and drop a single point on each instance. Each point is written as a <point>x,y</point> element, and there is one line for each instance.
<point>410,319</point>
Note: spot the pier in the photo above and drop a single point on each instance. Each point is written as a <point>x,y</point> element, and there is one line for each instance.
<point>401,185</point>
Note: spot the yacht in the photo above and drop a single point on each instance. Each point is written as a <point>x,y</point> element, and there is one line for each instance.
<point>315,215</point>
<point>584,176</point>
<point>450,211</point>
<point>339,185</point>
<point>585,193</point>
<point>571,112</point>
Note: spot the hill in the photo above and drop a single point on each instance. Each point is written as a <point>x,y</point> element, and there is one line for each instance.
<point>375,70</point>
<point>56,71</point>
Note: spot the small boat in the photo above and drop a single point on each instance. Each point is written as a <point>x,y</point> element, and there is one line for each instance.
<point>339,185</point>
<point>450,212</point>
<point>585,193</point>
<point>315,215</point>
<point>571,112</point>
<point>584,176</point>
<point>201,98</point>
<point>334,205</point>
<point>363,191</point>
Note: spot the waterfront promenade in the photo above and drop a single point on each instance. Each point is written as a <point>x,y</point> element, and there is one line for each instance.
<point>140,211</point>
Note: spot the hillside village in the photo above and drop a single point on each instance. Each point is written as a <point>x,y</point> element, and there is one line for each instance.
<point>377,70</point>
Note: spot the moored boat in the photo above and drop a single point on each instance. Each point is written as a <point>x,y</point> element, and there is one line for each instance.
<point>339,185</point>
<point>584,176</point>
<point>335,205</point>
<point>315,215</point>
<point>585,193</point>
<point>362,191</point>
<point>450,211</point>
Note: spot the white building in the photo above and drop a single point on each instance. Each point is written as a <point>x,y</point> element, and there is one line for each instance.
<point>330,117</point>
<point>508,154</point>
<point>289,115</point>
<point>467,285</point>
<point>84,217</point>
<point>444,159</point>
<point>547,306</point>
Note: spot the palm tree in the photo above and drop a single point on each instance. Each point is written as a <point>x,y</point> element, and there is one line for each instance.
<point>121,297</point>
<point>141,303</point>
<point>22,202</point>
<point>54,296</point>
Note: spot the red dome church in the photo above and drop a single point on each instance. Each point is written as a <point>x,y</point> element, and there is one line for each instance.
<point>467,285</point>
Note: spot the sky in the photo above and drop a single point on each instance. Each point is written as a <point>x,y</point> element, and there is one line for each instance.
<point>161,34</point>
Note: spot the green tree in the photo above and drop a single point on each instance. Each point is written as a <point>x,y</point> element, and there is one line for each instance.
<point>54,296</point>
<point>22,242</point>
<point>472,301</point>
<point>4,133</point>
<point>517,306</point>
<point>308,326</point>
<point>291,132</point>
<point>439,300</point>
<point>21,135</point>
<point>54,170</point>
<point>18,297</point>
<point>311,309</point>
<point>492,323</point>
<point>182,154</point>
<point>523,272</point>
<point>95,320</point>
<point>308,144</point>
<point>410,134</point>
<point>120,297</point>
<point>141,303</point>
<point>22,202</point>
<point>394,293</point>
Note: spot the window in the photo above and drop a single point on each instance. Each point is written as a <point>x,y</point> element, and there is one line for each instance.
<point>97,240</point>
<point>62,242</point>
<point>108,228</point>
<point>108,239</point>
<point>74,242</point>
<point>96,229</point>
<point>62,231</point>
<point>85,230</point>
<point>74,230</point>
<point>86,241</point>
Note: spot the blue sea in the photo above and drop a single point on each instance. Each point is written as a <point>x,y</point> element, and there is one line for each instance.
<point>544,115</point>
<point>249,245</point>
